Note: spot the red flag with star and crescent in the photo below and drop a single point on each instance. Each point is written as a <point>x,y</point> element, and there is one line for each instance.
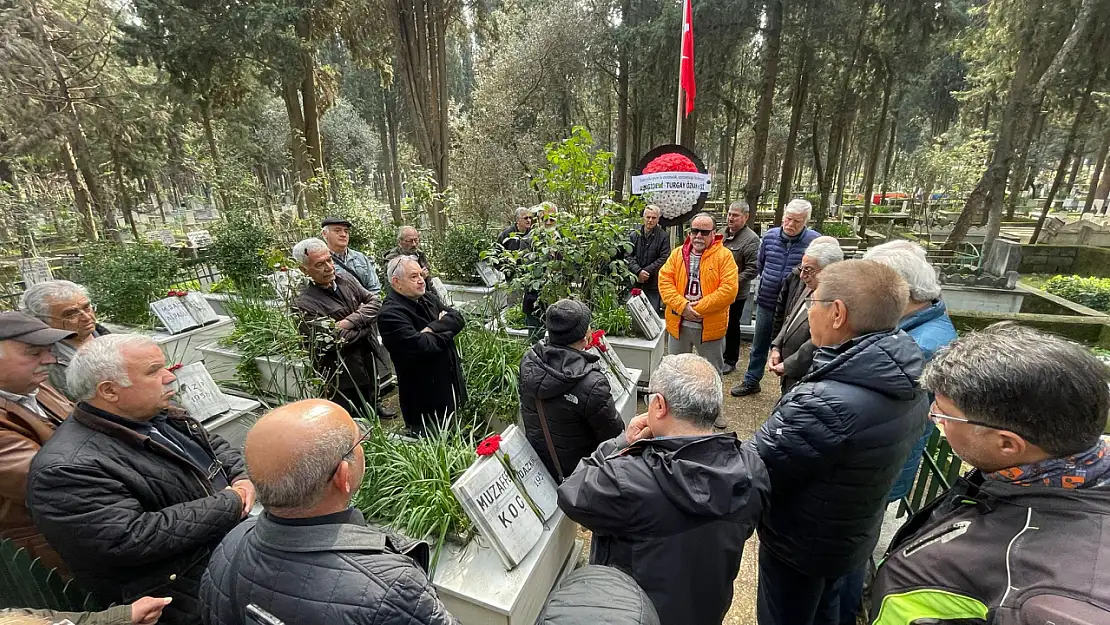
<point>686,71</point>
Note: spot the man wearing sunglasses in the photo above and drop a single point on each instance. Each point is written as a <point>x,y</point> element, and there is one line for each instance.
<point>1025,536</point>
<point>698,284</point>
<point>311,558</point>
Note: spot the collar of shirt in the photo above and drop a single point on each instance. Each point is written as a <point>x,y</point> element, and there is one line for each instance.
<point>29,401</point>
<point>349,516</point>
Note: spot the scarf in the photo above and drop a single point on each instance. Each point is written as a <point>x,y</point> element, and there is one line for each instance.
<point>1084,470</point>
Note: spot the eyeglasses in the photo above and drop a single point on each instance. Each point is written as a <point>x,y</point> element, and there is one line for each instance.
<point>810,299</point>
<point>808,270</point>
<point>88,310</point>
<point>699,232</point>
<point>364,430</point>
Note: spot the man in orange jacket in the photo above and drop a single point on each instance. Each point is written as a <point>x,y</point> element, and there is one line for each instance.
<point>697,284</point>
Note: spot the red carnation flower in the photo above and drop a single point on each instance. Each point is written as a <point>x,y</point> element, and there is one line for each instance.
<point>636,292</point>
<point>173,368</point>
<point>595,341</point>
<point>489,445</point>
<point>672,161</point>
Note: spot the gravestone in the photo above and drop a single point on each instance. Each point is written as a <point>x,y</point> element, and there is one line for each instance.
<point>1004,256</point>
<point>198,393</point>
<point>163,236</point>
<point>489,275</point>
<point>173,314</point>
<point>199,238</point>
<point>34,271</point>
<point>644,316</point>
<point>442,292</point>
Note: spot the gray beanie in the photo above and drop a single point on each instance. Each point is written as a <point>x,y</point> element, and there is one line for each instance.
<point>568,321</point>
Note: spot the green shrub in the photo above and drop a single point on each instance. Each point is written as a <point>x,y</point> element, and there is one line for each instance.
<point>1089,292</point>
<point>263,330</point>
<point>123,279</point>
<point>454,258</point>
<point>240,248</point>
<point>837,229</point>
<point>610,314</point>
<point>514,316</point>
<point>491,368</point>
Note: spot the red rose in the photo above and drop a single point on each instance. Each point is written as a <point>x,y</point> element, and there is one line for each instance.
<point>489,445</point>
<point>595,341</point>
<point>173,368</point>
<point>284,268</point>
<point>636,292</point>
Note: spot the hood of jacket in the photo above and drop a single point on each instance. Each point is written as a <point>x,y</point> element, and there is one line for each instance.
<point>888,363</point>
<point>716,245</point>
<point>554,370</point>
<point>708,476</point>
<point>934,311</point>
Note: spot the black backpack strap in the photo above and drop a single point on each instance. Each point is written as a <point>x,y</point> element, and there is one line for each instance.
<point>547,439</point>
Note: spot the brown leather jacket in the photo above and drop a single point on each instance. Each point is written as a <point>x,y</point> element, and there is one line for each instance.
<point>22,434</point>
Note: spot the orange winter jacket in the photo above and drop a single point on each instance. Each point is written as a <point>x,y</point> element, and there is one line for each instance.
<point>719,283</point>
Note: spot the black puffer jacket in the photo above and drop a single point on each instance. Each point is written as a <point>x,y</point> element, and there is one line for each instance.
<point>674,513</point>
<point>576,399</point>
<point>342,571</point>
<point>599,594</point>
<point>834,446</point>
<point>130,517</point>
<point>649,252</point>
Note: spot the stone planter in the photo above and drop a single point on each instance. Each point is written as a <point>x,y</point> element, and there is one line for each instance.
<point>184,348</point>
<point>218,302</point>
<point>477,590</point>
<point>487,297</point>
<point>628,405</point>
<point>639,353</point>
<point>279,377</point>
<point>520,334</point>
<point>979,299</point>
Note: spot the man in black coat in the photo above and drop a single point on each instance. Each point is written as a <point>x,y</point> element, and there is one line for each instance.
<point>419,332</point>
<point>836,442</point>
<point>338,321</point>
<point>651,245</point>
<point>669,501</point>
<point>130,490</point>
<point>743,242</point>
<point>512,237</point>
<point>310,558</point>
<point>558,375</point>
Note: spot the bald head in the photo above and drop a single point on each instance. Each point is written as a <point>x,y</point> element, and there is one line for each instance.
<point>295,457</point>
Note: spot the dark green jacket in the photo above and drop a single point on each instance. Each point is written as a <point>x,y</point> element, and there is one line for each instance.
<point>988,552</point>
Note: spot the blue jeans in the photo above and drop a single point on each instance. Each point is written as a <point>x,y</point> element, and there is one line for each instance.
<point>761,344</point>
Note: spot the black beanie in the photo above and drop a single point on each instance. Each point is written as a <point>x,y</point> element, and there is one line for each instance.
<point>568,321</point>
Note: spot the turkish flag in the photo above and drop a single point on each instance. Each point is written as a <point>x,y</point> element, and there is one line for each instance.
<point>686,71</point>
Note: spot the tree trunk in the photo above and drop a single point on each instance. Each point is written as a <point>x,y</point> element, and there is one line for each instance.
<point>797,107</point>
<point>891,159</point>
<point>85,214</point>
<point>873,157</point>
<point>124,197</point>
<point>302,189</point>
<point>1069,145</point>
<point>1097,175</point>
<point>394,166</point>
<point>620,162</point>
<point>770,62</point>
<point>1021,163</point>
<point>1077,162</point>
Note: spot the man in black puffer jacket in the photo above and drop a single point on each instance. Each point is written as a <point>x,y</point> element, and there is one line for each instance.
<point>836,442</point>
<point>573,390</point>
<point>310,558</point>
<point>131,492</point>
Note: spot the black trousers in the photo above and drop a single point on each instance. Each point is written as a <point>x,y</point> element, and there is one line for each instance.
<point>732,334</point>
<point>789,597</point>
<point>356,399</point>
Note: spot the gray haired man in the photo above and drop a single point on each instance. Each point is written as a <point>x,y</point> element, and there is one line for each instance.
<point>66,306</point>
<point>131,491</point>
<point>408,244</point>
<point>336,232</point>
<point>310,557</point>
<point>650,247</point>
<point>512,237</point>
<point>668,500</point>
<point>345,355</point>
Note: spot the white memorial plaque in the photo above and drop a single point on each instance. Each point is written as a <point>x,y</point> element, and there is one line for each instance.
<point>165,237</point>
<point>500,512</point>
<point>173,314</point>
<point>199,238</point>
<point>442,292</point>
<point>34,271</point>
<point>489,275</point>
<point>529,468</point>
<point>286,283</point>
<point>198,393</point>
<point>644,316</point>
<point>199,308</point>
<point>614,369</point>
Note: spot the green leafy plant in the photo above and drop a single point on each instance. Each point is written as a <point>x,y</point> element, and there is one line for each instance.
<point>514,317</point>
<point>837,229</point>
<point>610,314</point>
<point>455,257</point>
<point>408,483</point>
<point>124,279</point>
<point>576,177</point>
<point>1089,292</point>
<point>263,330</point>
<point>240,245</point>
<point>491,367</point>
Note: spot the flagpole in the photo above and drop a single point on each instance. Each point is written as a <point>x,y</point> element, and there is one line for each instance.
<point>681,38</point>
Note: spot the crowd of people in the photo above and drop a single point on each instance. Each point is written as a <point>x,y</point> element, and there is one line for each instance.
<point>105,479</point>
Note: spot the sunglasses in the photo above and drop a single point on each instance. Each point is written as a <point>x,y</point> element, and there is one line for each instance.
<point>364,431</point>
<point>700,232</point>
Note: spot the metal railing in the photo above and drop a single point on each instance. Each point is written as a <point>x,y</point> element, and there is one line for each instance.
<point>26,583</point>
<point>940,468</point>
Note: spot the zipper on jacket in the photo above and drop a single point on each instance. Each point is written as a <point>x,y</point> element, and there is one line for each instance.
<point>953,531</point>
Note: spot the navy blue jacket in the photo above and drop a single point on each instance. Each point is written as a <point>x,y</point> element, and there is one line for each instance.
<point>834,446</point>
<point>778,256</point>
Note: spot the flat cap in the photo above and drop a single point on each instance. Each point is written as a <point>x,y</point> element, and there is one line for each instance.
<point>17,326</point>
<point>334,221</point>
